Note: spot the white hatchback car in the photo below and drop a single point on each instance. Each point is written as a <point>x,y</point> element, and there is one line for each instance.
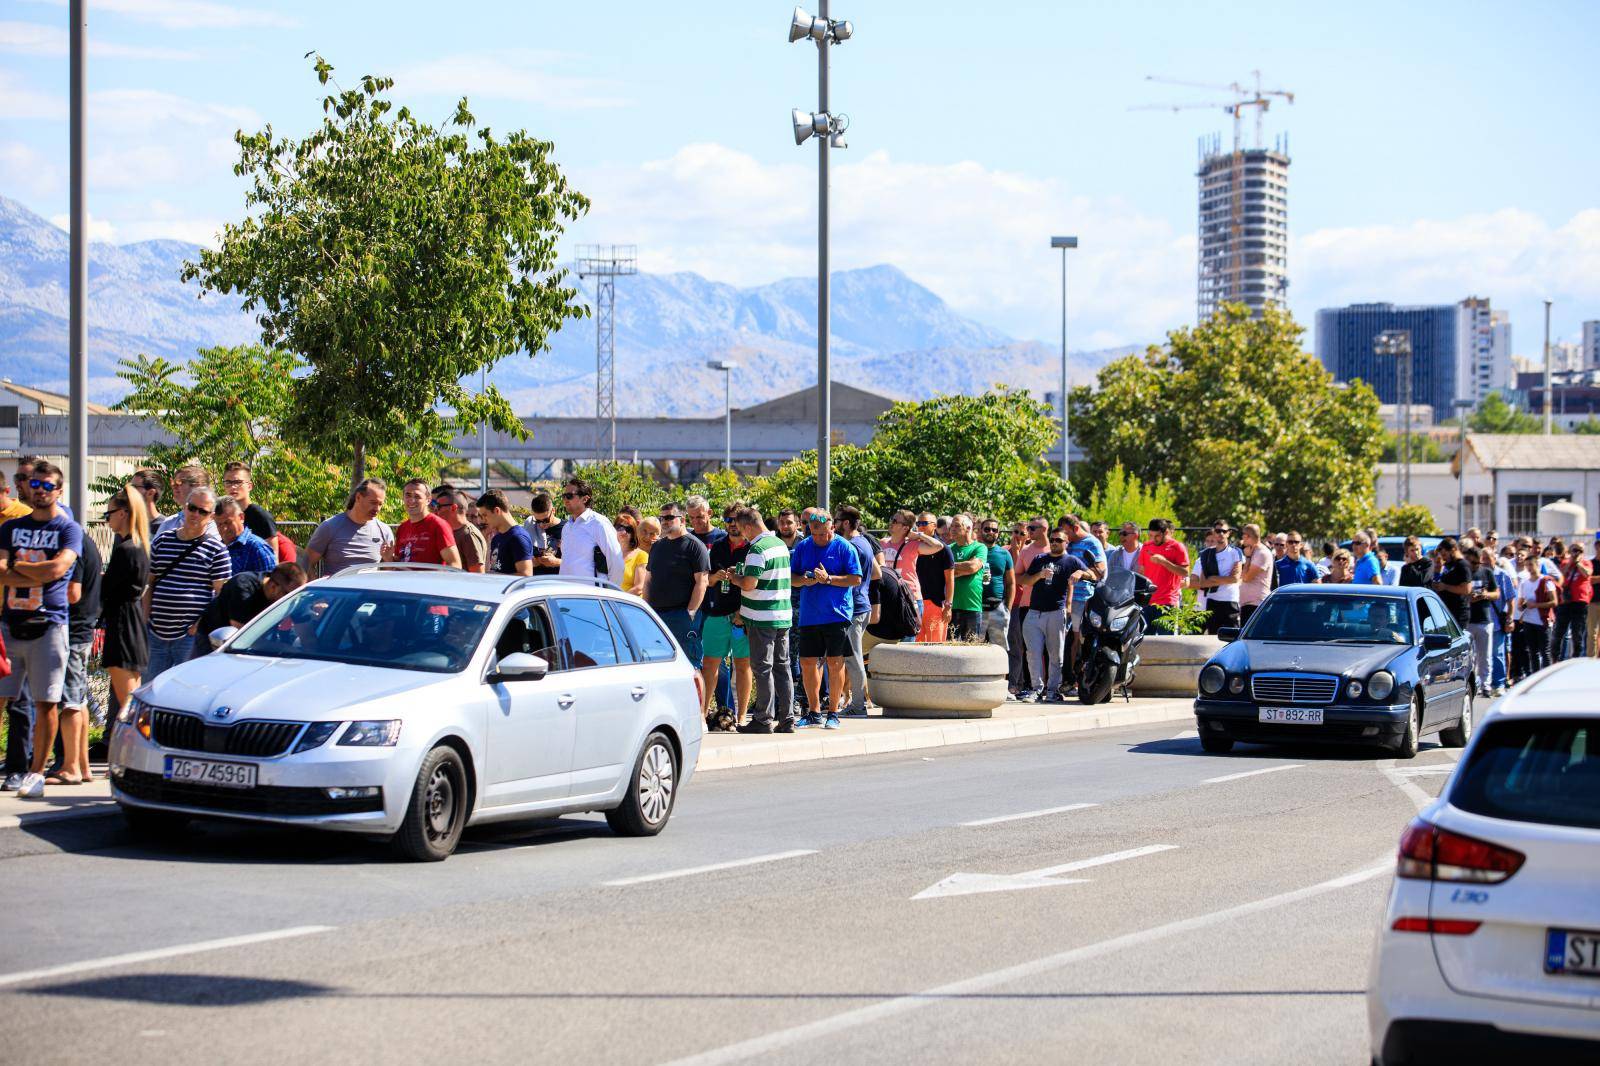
<point>412,702</point>
<point>1491,941</point>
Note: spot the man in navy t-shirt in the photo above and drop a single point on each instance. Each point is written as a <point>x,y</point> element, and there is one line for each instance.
<point>826,570</point>
<point>1293,568</point>
<point>37,554</point>
<point>510,546</point>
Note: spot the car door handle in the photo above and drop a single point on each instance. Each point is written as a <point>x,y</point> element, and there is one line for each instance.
<point>566,699</point>
<point>639,692</point>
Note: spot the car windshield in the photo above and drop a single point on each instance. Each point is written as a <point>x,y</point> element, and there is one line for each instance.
<point>1543,770</point>
<point>1339,618</point>
<point>369,627</point>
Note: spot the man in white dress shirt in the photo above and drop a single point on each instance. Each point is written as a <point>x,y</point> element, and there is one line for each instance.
<point>585,531</point>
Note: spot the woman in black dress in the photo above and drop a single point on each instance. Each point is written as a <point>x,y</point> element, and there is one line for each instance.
<point>127,650</point>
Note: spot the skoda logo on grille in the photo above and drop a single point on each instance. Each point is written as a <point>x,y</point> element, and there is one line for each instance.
<point>221,713</point>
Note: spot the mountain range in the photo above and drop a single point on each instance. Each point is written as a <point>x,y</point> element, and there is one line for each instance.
<point>890,334</point>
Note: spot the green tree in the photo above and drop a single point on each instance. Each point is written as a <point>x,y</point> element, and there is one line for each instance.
<point>617,485</point>
<point>396,259</point>
<point>1240,422</point>
<point>1405,520</point>
<point>1494,415</point>
<point>1588,427</point>
<point>1120,497</point>
<point>1424,449</point>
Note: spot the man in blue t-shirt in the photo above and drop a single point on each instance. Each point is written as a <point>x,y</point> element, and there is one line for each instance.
<point>1368,570</point>
<point>1294,568</point>
<point>510,546</point>
<point>1088,550</point>
<point>37,555</point>
<point>826,570</point>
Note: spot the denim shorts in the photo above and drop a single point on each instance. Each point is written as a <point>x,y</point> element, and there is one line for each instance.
<point>75,686</point>
<point>41,662</point>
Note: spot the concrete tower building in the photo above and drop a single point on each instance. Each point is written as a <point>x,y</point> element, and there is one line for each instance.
<point>1244,226</point>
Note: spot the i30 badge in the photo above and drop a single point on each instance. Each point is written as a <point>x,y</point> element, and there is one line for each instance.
<point>221,713</point>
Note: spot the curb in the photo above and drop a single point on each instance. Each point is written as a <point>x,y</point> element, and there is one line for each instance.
<point>940,735</point>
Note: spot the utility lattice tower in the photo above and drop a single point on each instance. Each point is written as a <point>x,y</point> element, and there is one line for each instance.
<point>605,263</point>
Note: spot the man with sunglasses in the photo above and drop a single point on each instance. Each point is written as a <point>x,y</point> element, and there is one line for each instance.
<point>676,579</point>
<point>1001,589</point>
<point>37,554</point>
<point>185,480</point>
<point>936,574</point>
<point>148,481</point>
<point>826,570</point>
<point>545,529</point>
<point>1294,568</point>
<point>188,567</point>
<point>449,503</point>
<point>423,537</point>
<point>587,537</point>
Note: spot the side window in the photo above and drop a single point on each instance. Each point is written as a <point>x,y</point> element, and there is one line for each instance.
<point>650,644</point>
<point>1433,619</point>
<point>529,631</point>
<point>585,633</point>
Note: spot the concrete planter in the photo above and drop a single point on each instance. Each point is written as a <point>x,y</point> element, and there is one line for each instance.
<point>1170,666</point>
<point>938,680</point>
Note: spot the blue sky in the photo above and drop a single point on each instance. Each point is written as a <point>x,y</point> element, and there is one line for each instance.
<point>1439,149</point>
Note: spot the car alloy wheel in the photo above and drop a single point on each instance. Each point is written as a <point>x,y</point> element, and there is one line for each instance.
<point>657,779</point>
<point>1456,736</point>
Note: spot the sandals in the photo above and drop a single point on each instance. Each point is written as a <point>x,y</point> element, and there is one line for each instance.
<point>63,779</point>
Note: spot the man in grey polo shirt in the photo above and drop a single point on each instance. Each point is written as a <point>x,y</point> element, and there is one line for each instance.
<point>354,538</point>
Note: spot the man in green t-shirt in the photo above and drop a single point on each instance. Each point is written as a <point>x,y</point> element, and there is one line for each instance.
<point>764,606</point>
<point>972,573</point>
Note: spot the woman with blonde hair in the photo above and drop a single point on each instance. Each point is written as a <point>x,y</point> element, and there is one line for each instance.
<point>646,534</point>
<point>127,650</point>
<point>627,540</point>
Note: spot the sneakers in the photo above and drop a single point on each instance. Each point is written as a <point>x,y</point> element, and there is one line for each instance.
<point>12,782</point>
<point>847,713</point>
<point>754,727</point>
<point>831,722</point>
<point>785,726</point>
<point>32,787</point>
<point>808,721</point>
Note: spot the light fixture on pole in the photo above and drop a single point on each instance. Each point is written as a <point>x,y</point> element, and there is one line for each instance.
<point>1064,243</point>
<point>78,278</point>
<point>1462,407</point>
<point>828,129</point>
<point>1397,343</point>
<point>727,366</point>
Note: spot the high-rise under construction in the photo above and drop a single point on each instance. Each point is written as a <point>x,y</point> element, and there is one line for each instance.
<point>1244,226</point>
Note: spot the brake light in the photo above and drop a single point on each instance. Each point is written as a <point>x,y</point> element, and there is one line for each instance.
<point>1442,926</point>
<point>1428,853</point>
<point>700,690</point>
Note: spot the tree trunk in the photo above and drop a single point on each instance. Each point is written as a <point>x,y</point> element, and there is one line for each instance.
<point>359,468</point>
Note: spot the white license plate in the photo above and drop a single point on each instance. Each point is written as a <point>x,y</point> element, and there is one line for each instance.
<point>1572,951</point>
<point>1290,715</point>
<point>206,772</point>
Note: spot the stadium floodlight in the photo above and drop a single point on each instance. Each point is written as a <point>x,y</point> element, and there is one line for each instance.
<point>808,124</point>
<point>802,25</point>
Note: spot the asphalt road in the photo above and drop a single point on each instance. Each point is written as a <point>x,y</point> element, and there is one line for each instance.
<point>1165,909</point>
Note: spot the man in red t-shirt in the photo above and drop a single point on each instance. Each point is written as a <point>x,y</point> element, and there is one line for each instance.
<point>422,537</point>
<point>1166,564</point>
<point>1573,610</point>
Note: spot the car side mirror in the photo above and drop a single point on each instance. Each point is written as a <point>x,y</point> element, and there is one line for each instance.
<point>1228,634</point>
<point>519,666</point>
<point>1436,642</point>
<point>221,636</point>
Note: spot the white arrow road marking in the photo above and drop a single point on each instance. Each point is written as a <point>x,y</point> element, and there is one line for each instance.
<point>1426,771</point>
<point>963,884</point>
<point>1251,773</point>
<point>1030,814</point>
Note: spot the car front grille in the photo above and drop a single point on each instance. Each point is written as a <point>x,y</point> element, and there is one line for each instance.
<point>1293,688</point>
<point>266,800</point>
<point>257,739</point>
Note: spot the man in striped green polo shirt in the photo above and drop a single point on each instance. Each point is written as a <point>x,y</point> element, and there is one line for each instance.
<point>764,604</point>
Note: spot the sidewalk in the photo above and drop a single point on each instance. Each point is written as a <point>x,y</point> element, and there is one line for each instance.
<point>874,735</point>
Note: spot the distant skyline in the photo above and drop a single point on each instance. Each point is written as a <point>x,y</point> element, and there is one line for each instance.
<point>1439,150</point>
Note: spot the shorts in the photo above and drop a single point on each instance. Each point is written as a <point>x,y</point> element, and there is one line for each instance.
<point>42,663</point>
<point>831,640</point>
<point>75,686</point>
<point>1077,615</point>
<point>718,636</point>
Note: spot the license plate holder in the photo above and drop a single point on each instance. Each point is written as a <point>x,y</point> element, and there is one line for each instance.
<point>1290,715</point>
<point>1572,952</point>
<point>236,775</point>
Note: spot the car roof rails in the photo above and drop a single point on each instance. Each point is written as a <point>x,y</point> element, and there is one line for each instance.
<point>370,568</point>
<point>569,579</point>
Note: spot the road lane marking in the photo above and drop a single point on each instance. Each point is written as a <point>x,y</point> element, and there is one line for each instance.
<point>1251,773</point>
<point>1413,791</point>
<point>135,957</point>
<point>1190,734</point>
<point>1030,814</point>
<point>759,1046</point>
<point>692,870</point>
<point>966,884</point>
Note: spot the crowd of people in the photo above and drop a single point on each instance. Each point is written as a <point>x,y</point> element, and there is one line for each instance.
<point>732,593</point>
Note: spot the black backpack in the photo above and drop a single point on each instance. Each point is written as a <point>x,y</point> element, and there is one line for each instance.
<point>899,613</point>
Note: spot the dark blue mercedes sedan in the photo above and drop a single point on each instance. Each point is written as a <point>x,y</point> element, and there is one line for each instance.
<point>1340,664</point>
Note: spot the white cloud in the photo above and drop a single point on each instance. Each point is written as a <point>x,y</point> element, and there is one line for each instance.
<point>99,228</point>
<point>38,39</point>
<point>142,139</point>
<point>27,173</point>
<point>523,75</point>
<point>20,101</point>
<point>160,219</point>
<point>188,14</point>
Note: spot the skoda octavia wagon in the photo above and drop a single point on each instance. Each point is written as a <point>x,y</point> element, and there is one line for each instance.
<point>410,702</point>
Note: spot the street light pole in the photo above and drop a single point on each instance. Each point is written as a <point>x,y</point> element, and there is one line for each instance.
<point>1462,407</point>
<point>727,366</point>
<point>1547,407</point>
<point>1064,243</point>
<point>77,314</point>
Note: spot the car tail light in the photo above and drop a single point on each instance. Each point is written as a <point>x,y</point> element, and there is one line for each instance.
<point>700,690</point>
<point>1441,926</point>
<point>1428,853</point>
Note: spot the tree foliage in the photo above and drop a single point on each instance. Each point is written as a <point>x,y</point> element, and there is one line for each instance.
<point>229,404</point>
<point>1424,449</point>
<point>1405,520</point>
<point>1494,415</point>
<point>1240,422</point>
<point>396,259</point>
<point>1120,497</point>
<point>617,485</point>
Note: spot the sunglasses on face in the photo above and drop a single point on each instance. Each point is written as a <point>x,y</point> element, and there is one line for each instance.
<point>199,510</point>
<point>1058,540</point>
<point>669,517</point>
<point>113,510</point>
<point>920,522</point>
<point>48,486</point>
<point>570,495</point>
<point>441,505</point>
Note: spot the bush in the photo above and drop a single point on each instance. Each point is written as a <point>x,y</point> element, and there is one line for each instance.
<point>1405,520</point>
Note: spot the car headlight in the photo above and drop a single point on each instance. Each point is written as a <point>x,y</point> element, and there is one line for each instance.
<point>1380,685</point>
<point>384,734</point>
<point>1354,689</point>
<point>1094,618</point>
<point>131,708</point>
<point>1120,623</point>
<point>317,734</point>
<point>1212,679</point>
<point>143,720</point>
<point>1236,684</point>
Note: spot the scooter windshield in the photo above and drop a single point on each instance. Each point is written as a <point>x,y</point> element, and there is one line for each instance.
<point>1119,586</point>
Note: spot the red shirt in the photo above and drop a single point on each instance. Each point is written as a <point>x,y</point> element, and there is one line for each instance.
<point>285,549</point>
<point>1577,588</point>
<point>424,541</point>
<point>1168,586</point>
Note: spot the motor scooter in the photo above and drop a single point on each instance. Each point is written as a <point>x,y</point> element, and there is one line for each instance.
<point>1113,629</point>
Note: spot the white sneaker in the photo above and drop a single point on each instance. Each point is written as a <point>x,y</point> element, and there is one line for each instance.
<point>11,783</point>
<point>32,787</point>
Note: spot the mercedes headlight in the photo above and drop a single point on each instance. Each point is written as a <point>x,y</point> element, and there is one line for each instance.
<point>1236,684</point>
<point>1355,690</point>
<point>1380,686</point>
<point>384,734</point>
<point>1212,679</point>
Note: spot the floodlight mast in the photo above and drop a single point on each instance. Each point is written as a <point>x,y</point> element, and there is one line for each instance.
<point>828,129</point>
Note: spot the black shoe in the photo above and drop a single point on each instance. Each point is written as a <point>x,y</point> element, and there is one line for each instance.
<point>754,727</point>
<point>785,726</point>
